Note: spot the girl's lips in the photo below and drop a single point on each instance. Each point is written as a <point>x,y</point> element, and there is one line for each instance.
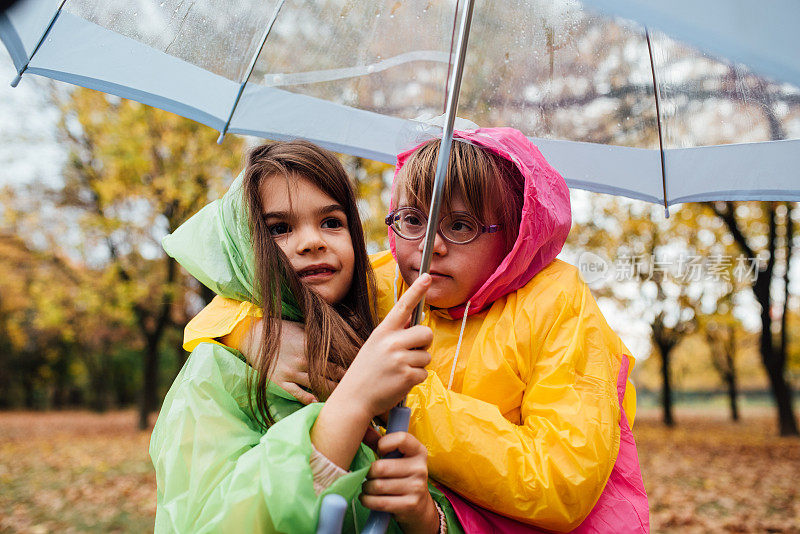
<point>434,274</point>
<point>316,274</point>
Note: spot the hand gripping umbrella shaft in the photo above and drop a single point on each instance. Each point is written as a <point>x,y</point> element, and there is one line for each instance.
<point>400,414</point>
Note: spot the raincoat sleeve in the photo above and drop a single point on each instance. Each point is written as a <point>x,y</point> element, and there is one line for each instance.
<point>223,321</point>
<point>228,319</point>
<point>550,467</point>
<point>217,472</point>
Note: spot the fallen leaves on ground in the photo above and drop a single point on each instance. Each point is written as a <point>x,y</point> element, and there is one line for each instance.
<point>710,475</point>
<point>84,472</point>
<point>75,472</point>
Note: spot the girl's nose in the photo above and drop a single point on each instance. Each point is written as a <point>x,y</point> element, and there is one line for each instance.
<point>439,245</point>
<point>308,240</point>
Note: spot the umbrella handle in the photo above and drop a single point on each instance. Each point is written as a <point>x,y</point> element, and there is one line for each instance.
<point>331,514</point>
<point>378,522</point>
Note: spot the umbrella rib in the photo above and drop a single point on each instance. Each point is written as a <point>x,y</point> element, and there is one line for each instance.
<point>17,79</point>
<point>658,122</point>
<point>250,69</point>
<point>450,58</point>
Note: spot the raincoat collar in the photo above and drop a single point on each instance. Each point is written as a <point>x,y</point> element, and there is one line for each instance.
<point>546,214</point>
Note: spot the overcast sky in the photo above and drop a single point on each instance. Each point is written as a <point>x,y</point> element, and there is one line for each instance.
<point>28,148</point>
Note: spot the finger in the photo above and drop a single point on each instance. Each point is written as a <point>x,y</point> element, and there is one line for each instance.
<point>300,394</point>
<point>417,358</point>
<point>412,377</point>
<point>400,313</point>
<point>392,486</point>
<point>413,466</point>
<point>371,437</point>
<point>389,503</point>
<point>301,379</point>
<point>416,337</point>
<point>406,443</point>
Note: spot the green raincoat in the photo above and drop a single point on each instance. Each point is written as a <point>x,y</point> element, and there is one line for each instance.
<point>216,470</point>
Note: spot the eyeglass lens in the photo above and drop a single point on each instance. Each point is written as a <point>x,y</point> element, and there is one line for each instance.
<point>456,227</point>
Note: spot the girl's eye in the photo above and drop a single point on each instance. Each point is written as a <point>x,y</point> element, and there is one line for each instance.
<point>412,220</point>
<point>461,225</point>
<point>279,229</point>
<point>332,223</point>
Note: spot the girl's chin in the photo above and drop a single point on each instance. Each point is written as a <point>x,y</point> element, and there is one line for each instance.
<point>441,302</point>
<point>326,293</point>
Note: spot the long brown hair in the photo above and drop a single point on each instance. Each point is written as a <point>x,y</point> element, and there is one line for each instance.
<point>334,333</point>
<point>487,182</point>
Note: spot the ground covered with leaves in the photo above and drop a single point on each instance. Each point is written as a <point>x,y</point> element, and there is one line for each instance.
<point>710,475</point>
<point>75,472</point>
<point>83,472</point>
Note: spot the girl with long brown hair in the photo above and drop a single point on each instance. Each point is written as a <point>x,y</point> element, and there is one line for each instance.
<point>231,449</point>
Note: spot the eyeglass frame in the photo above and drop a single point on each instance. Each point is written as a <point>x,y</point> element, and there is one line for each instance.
<point>484,229</point>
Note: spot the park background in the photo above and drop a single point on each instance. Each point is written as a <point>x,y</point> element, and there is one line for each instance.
<point>92,313</point>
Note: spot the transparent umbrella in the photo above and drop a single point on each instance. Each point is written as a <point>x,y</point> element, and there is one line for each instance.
<point>353,76</point>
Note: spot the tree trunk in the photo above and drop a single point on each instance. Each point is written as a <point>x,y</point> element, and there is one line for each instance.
<point>782,392</point>
<point>732,395</point>
<point>148,401</point>
<point>666,391</point>
<point>774,361</point>
<point>665,340</point>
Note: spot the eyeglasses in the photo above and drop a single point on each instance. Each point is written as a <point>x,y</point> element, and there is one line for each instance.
<point>458,227</point>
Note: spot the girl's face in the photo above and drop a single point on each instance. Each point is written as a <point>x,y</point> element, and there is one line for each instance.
<point>310,227</point>
<point>457,271</point>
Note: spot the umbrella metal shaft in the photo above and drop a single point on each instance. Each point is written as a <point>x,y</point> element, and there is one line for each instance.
<point>378,522</point>
<point>444,150</point>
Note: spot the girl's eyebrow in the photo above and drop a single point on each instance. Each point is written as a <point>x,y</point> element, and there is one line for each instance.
<point>330,208</point>
<point>276,215</point>
<point>324,210</point>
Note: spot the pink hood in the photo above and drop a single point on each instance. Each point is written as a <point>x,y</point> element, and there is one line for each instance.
<point>546,214</point>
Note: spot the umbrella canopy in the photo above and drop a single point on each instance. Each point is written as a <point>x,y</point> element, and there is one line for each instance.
<point>354,76</point>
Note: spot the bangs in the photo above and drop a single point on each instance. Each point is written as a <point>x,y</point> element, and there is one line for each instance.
<point>490,186</point>
<point>470,173</point>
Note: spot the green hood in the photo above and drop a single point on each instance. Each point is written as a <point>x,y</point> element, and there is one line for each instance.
<point>215,246</point>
